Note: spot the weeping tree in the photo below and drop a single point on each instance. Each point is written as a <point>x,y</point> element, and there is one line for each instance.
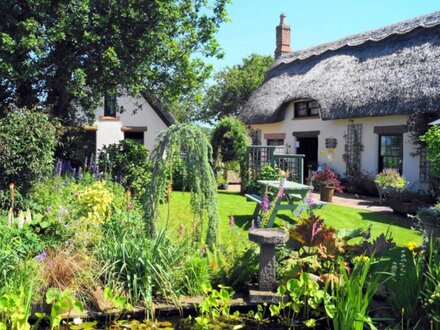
<point>186,146</point>
<point>229,142</point>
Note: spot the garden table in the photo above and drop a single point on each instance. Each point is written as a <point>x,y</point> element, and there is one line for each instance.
<point>295,198</point>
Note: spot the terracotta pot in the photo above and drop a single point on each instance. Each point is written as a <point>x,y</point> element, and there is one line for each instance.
<point>327,194</point>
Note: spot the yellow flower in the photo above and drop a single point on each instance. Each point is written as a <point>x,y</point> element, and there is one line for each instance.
<point>311,323</point>
<point>411,246</point>
<point>361,259</point>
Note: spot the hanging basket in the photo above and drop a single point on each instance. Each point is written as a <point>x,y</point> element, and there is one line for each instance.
<point>327,194</point>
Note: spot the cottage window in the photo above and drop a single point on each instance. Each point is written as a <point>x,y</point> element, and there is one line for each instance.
<point>306,109</point>
<point>275,142</point>
<point>135,136</point>
<point>391,152</point>
<point>110,105</point>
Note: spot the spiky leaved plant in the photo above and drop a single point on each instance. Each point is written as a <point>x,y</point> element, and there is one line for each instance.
<point>187,145</point>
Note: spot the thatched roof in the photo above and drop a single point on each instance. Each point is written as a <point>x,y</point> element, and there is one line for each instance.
<point>392,70</point>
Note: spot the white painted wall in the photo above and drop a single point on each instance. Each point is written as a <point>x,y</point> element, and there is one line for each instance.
<point>337,129</point>
<point>137,113</point>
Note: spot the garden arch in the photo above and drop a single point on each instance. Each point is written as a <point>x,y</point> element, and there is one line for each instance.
<point>234,131</point>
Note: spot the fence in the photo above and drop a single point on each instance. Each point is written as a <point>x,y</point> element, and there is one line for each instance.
<point>261,156</point>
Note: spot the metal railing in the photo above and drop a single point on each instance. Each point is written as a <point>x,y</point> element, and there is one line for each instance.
<point>261,156</point>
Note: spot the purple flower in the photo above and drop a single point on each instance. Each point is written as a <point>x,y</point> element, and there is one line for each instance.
<point>58,167</point>
<point>80,176</point>
<point>40,257</point>
<point>258,222</point>
<point>281,191</point>
<point>91,164</point>
<point>203,251</point>
<point>73,173</point>
<point>265,202</point>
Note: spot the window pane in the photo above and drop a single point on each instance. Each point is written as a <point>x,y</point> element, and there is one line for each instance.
<point>390,153</point>
<point>110,105</point>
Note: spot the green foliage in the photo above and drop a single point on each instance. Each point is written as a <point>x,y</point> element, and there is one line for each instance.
<point>16,246</point>
<point>390,179</point>
<point>71,52</point>
<point>27,145</point>
<point>15,309</point>
<point>233,86</point>
<point>406,273</point>
<point>187,145</point>
<point>304,296</point>
<point>127,161</point>
<point>351,297</point>
<point>61,302</point>
<point>215,308</point>
<point>431,289</point>
<point>432,140</point>
<point>229,143</point>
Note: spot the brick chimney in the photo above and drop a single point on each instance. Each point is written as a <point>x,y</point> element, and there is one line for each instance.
<point>283,37</point>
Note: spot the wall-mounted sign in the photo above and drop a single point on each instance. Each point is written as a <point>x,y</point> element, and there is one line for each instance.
<point>331,143</point>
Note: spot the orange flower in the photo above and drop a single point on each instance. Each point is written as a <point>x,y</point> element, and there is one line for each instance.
<point>11,185</point>
<point>212,264</point>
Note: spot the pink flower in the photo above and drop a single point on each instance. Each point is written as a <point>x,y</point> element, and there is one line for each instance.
<point>231,221</point>
<point>310,200</point>
<point>265,202</point>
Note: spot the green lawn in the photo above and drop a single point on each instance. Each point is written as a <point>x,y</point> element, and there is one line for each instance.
<point>340,217</point>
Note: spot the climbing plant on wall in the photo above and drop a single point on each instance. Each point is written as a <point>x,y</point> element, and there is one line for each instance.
<point>229,142</point>
<point>185,145</point>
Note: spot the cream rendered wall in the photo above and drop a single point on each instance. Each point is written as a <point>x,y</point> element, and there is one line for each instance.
<point>337,129</point>
<point>137,113</point>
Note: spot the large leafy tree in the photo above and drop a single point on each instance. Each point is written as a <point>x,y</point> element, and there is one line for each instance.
<point>232,87</point>
<point>64,54</point>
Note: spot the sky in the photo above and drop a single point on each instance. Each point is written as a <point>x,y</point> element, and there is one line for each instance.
<point>252,22</point>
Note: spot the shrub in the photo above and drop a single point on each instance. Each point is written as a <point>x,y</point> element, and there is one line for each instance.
<point>266,173</point>
<point>432,140</point>
<point>27,145</point>
<point>127,162</point>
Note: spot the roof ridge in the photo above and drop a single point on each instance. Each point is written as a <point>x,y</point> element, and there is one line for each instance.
<point>402,27</point>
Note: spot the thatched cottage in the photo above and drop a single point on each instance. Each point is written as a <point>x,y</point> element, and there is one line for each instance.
<point>327,101</point>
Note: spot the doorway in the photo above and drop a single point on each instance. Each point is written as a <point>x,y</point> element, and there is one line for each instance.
<point>308,146</point>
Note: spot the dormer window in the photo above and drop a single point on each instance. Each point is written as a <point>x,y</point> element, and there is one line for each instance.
<point>110,104</point>
<point>306,109</point>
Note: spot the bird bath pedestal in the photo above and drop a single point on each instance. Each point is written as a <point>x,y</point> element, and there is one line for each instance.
<point>267,238</point>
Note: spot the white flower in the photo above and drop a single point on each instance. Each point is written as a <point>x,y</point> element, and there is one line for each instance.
<point>77,321</point>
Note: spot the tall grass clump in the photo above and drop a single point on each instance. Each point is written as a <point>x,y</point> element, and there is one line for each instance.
<point>143,267</point>
<point>352,295</point>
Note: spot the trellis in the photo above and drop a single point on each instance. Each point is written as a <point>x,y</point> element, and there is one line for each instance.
<point>261,156</point>
<point>353,149</point>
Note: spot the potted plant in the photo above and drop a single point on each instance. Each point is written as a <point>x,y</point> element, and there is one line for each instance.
<point>430,219</point>
<point>283,176</point>
<point>328,182</point>
<point>389,181</point>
